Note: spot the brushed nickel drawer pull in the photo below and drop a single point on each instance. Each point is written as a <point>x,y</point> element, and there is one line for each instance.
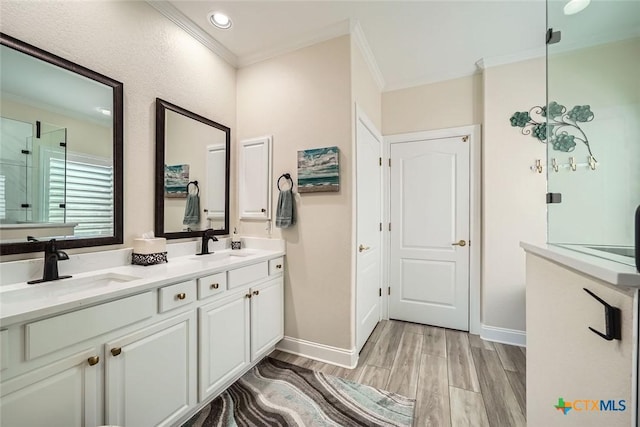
<point>181,296</point>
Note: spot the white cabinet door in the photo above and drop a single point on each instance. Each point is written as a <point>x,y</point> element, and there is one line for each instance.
<point>64,393</point>
<point>224,342</point>
<point>267,319</point>
<point>151,374</point>
<point>215,188</point>
<point>254,178</point>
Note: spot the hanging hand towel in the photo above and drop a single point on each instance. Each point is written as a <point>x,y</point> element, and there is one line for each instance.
<point>286,213</point>
<point>192,210</point>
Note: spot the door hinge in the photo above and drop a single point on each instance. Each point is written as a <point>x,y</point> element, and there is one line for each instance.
<point>389,226</point>
<point>389,290</point>
<point>379,292</point>
<point>63,144</point>
<point>38,125</point>
<point>380,161</point>
<point>554,198</point>
<point>25,205</point>
<point>62,206</point>
<point>25,151</point>
<point>380,226</point>
<point>389,161</point>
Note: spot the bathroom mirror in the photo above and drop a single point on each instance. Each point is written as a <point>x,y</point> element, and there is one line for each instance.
<point>192,173</point>
<point>60,152</point>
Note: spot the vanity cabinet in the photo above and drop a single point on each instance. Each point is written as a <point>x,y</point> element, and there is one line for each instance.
<point>66,393</point>
<point>249,323</point>
<point>150,377</point>
<point>148,359</point>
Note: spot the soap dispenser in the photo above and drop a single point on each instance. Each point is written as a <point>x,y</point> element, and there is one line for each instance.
<point>236,243</point>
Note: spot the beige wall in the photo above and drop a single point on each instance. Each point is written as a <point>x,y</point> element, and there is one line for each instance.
<point>132,43</point>
<point>513,199</point>
<point>303,99</point>
<point>451,103</point>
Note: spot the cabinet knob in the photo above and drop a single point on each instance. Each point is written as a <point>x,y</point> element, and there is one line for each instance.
<point>93,360</point>
<point>116,351</point>
<point>181,295</point>
<point>263,210</point>
<point>278,265</point>
<point>214,286</point>
<point>256,292</point>
<point>248,295</point>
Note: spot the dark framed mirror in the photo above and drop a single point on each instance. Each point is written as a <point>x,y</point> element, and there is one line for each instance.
<point>61,152</point>
<point>192,173</point>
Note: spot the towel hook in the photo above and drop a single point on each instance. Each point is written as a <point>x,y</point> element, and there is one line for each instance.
<point>196,184</point>
<point>286,176</point>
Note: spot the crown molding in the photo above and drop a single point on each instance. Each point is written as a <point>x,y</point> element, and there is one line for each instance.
<point>524,55</point>
<point>361,41</point>
<point>430,80</point>
<point>336,30</point>
<point>190,27</point>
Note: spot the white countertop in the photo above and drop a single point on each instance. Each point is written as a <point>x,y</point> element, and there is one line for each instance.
<point>178,269</point>
<point>609,271</point>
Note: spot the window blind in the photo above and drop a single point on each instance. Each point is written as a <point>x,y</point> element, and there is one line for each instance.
<point>89,195</point>
<point>3,203</point>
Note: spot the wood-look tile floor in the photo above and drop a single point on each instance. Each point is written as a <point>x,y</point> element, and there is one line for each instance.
<point>456,378</point>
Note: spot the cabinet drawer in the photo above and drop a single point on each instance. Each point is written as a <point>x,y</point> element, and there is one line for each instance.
<point>177,295</point>
<point>58,332</point>
<point>248,274</point>
<point>212,285</point>
<point>276,266</point>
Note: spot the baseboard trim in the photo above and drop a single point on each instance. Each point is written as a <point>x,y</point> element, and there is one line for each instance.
<point>320,352</point>
<point>503,335</point>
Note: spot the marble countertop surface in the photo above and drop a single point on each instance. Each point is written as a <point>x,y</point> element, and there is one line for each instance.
<point>21,302</point>
<point>609,271</point>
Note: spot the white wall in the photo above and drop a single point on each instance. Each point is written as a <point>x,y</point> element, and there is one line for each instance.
<point>303,99</point>
<point>513,200</point>
<point>132,43</point>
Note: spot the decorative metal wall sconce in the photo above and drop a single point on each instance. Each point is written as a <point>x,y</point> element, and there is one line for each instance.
<point>554,125</point>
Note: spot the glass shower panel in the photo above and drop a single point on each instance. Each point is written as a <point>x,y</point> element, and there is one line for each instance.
<point>16,170</point>
<point>593,126</point>
<point>52,148</point>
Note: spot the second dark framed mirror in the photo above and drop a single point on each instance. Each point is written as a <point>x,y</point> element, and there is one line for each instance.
<point>192,173</point>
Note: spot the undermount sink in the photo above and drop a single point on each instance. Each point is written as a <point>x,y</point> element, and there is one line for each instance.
<point>61,288</point>
<point>217,256</point>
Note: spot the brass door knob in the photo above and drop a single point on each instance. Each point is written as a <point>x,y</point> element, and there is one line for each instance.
<point>116,351</point>
<point>181,295</point>
<point>459,243</point>
<point>215,286</point>
<point>93,360</point>
<point>362,248</point>
<point>256,292</point>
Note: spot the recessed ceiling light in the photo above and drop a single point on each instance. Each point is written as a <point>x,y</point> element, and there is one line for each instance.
<point>575,6</point>
<point>219,20</point>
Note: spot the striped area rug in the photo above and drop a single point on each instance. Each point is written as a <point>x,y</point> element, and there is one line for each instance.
<point>276,393</point>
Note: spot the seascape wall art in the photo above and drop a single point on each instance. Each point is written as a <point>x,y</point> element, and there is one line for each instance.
<point>318,170</point>
<point>176,179</point>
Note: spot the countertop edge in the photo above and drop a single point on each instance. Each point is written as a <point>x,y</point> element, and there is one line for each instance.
<point>608,271</point>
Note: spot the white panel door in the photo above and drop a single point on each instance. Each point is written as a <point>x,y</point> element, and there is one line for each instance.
<point>369,220</point>
<point>429,204</point>
<point>254,178</point>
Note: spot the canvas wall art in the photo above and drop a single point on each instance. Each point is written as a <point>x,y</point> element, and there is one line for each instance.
<point>176,179</point>
<point>318,170</point>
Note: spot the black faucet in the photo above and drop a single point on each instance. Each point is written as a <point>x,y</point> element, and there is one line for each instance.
<point>206,236</point>
<point>51,257</point>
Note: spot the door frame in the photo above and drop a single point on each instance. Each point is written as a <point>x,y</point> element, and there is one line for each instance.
<point>475,214</point>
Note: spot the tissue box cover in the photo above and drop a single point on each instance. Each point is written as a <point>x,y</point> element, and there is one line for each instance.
<point>149,246</point>
<point>148,259</point>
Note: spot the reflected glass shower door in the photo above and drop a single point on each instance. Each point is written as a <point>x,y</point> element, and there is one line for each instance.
<point>593,126</point>
<point>52,190</point>
<point>16,171</point>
